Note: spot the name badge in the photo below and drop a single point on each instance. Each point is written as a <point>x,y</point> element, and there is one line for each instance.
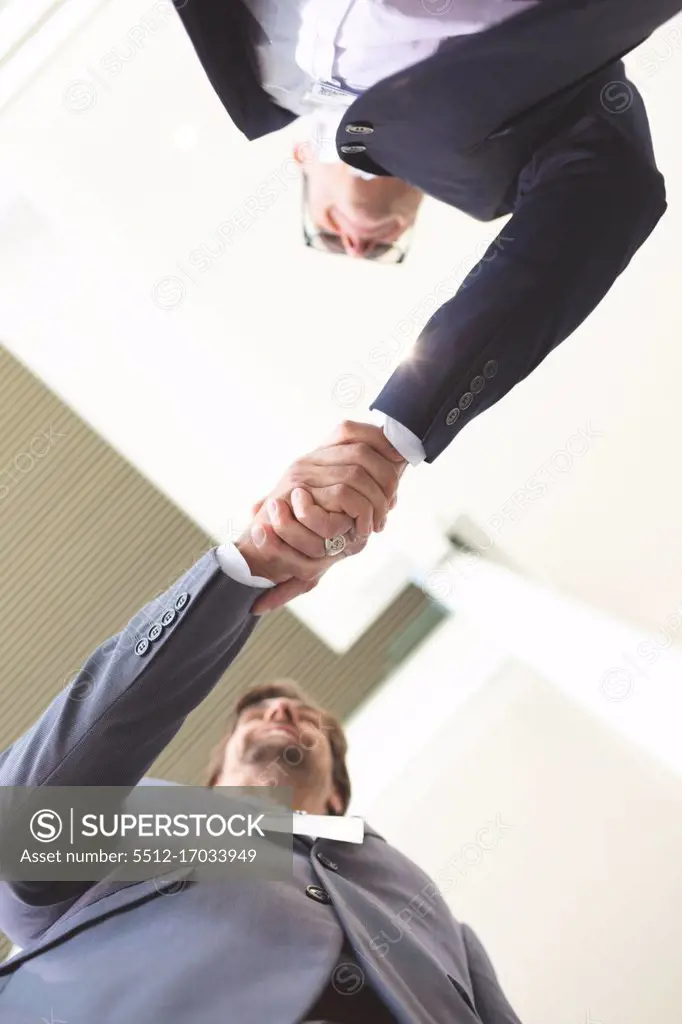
<point>328,93</point>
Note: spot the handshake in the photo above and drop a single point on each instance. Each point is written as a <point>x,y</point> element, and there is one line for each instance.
<point>345,489</point>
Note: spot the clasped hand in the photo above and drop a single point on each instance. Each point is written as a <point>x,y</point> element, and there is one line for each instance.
<point>346,487</point>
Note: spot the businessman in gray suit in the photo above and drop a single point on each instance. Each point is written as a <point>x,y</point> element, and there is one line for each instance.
<point>358,933</point>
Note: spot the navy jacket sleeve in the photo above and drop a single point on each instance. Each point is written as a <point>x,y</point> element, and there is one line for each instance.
<point>586,202</point>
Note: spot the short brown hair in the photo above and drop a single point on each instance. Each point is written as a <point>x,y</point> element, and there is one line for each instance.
<point>330,724</point>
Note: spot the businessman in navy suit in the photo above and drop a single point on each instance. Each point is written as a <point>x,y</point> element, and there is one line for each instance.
<point>495,107</point>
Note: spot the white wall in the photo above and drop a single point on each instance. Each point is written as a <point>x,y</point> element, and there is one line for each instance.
<point>558,841</point>
<point>527,756</point>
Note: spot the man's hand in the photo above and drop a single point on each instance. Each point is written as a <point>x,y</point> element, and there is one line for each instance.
<point>344,487</point>
<point>354,475</point>
<point>283,550</point>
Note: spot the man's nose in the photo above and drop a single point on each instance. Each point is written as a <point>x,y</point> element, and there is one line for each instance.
<point>359,240</point>
<point>356,244</point>
<point>359,231</point>
<point>282,711</point>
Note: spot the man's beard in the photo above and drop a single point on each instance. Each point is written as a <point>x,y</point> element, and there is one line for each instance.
<point>275,749</point>
<point>281,761</point>
<point>265,749</point>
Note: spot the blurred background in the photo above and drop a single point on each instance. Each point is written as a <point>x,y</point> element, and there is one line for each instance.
<point>507,655</point>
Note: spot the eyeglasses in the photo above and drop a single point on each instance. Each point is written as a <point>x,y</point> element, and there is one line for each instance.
<point>327,241</point>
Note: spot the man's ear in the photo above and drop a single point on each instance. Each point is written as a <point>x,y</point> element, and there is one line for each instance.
<point>335,804</point>
<point>304,153</point>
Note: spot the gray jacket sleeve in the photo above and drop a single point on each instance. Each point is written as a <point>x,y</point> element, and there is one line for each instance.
<point>131,697</point>
<point>490,1001</point>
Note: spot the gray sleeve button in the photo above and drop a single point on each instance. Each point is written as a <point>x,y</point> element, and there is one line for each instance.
<point>317,893</point>
<point>331,865</point>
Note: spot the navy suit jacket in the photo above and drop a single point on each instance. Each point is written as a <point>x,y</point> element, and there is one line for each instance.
<point>535,118</point>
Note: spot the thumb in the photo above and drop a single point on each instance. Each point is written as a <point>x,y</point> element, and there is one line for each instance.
<point>278,596</point>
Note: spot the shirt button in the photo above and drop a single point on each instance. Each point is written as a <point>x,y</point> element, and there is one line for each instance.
<point>452,417</point>
<point>466,400</point>
<point>181,601</point>
<point>477,384</point>
<point>142,646</point>
<point>353,149</point>
<point>315,892</point>
<point>155,631</point>
<point>359,129</point>
<point>490,369</point>
<point>327,863</point>
<point>168,617</point>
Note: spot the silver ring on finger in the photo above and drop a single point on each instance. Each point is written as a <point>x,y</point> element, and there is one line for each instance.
<point>335,546</point>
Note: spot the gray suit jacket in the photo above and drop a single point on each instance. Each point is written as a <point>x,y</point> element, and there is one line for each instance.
<point>116,952</point>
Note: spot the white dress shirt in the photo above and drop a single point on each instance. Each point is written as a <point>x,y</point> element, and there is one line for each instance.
<point>354,44</point>
<point>234,565</point>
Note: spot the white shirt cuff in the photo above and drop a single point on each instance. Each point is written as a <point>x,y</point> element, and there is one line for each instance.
<point>234,565</point>
<point>403,440</point>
